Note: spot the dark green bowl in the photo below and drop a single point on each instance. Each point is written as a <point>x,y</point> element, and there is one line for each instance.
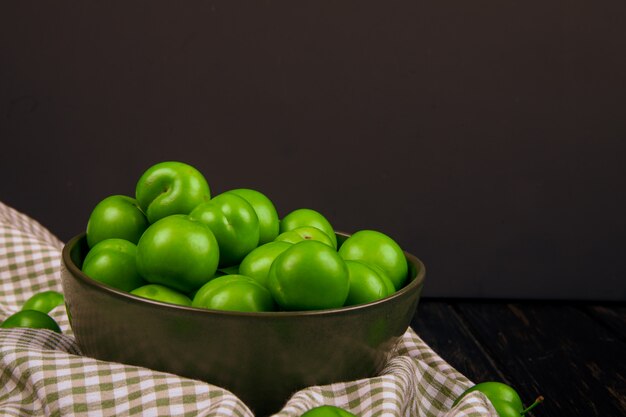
<point>262,358</point>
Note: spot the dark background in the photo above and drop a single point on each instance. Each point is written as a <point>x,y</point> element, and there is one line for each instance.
<point>486,137</point>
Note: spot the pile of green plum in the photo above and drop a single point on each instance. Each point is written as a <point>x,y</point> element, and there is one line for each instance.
<point>174,243</point>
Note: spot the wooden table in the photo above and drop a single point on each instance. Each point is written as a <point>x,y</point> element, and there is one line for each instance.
<point>574,354</point>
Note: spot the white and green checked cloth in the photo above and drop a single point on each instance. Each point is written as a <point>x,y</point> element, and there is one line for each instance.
<point>44,373</point>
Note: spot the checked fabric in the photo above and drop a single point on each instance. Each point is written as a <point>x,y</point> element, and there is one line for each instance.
<point>43,373</point>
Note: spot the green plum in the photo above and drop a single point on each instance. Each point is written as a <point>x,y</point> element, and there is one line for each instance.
<point>234,223</point>
<point>376,248</point>
<point>178,252</point>
<point>390,287</point>
<point>44,301</point>
<point>170,188</point>
<point>234,293</point>
<point>113,262</point>
<point>504,398</point>
<point>162,293</point>
<point>305,233</point>
<point>366,284</point>
<point>32,319</point>
<point>258,262</point>
<point>217,274</point>
<point>308,217</point>
<point>327,411</point>
<point>117,216</point>
<point>309,276</point>
<point>506,409</point>
<point>265,211</point>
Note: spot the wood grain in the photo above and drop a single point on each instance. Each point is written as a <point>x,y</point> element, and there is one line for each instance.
<point>613,316</point>
<point>440,326</point>
<point>558,351</point>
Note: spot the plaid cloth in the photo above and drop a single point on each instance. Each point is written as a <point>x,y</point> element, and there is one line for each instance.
<point>44,373</point>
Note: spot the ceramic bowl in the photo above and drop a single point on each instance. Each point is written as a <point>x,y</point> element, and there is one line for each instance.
<point>263,358</point>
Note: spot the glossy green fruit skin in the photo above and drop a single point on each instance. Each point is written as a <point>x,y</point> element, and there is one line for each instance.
<point>327,411</point>
<point>32,319</point>
<point>390,287</point>
<point>169,188</point>
<point>116,217</point>
<point>113,262</point>
<point>179,253</point>
<point>309,276</point>
<point>217,274</point>
<point>504,399</point>
<point>305,233</point>
<point>308,217</point>
<point>497,390</point>
<point>234,223</point>
<point>506,409</point>
<point>234,293</point>
<point>366,284</point>
<point>44,301</point>
<point>265,211</point>
<point>376,248</point>
<point>162,293</point>
<point>258,262</point>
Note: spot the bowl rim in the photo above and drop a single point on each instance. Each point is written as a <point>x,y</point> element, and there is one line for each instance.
<point>77,273</point>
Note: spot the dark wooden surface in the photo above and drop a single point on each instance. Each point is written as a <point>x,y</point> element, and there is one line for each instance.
<point>574,354</point>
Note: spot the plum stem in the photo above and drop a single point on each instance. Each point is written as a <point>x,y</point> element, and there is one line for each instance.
<point>538,401</point>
